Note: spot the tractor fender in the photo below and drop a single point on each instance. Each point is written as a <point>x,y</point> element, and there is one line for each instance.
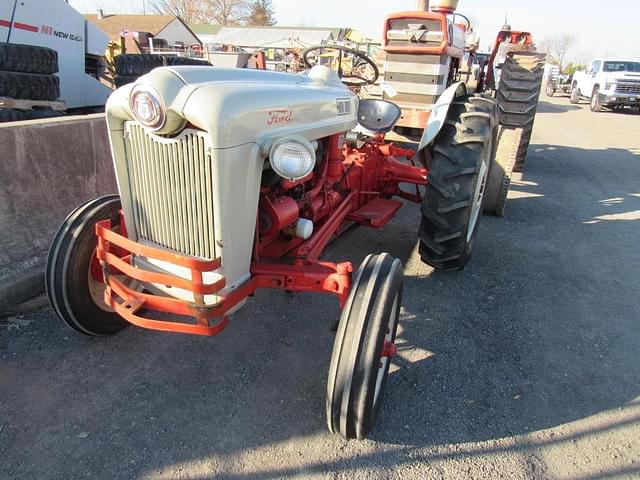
<point>439,113</point>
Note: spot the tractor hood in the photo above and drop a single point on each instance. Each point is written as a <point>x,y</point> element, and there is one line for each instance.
<point>240,106</point>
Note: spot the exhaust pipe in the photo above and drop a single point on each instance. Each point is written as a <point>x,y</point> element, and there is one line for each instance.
<point>423,5</point>
<point>443,6</point>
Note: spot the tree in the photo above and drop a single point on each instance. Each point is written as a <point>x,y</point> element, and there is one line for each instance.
<point>190,11</point>
<point>261,12</point>
<point>557,46</point>
<point>226,12</point>
<point>223,12</point>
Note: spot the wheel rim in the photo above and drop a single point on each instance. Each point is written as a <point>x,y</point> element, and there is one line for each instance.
<point>477,199</point>
<point>97,288</point>
<point>385,359</point>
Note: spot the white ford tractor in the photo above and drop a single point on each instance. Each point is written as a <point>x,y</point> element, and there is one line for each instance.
<point>231,181</point>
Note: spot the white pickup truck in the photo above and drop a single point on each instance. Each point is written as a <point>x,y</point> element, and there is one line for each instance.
<point>608,83</point>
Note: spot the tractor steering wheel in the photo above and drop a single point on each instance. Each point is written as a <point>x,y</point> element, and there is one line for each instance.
<point>362,71</point>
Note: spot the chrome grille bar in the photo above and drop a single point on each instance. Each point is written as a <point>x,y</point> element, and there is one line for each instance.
<point>172,190</point>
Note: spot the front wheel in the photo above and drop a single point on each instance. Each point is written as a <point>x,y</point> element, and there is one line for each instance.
<point>363,347</point>
<point>595,105</point>
<point>461,158</point>
<point>74,288</point>
<point>574,96</point>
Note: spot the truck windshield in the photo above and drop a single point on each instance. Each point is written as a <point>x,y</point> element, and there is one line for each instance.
<point>622,66</point>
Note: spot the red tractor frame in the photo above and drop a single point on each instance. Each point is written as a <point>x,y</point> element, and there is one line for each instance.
<point>354,186</point>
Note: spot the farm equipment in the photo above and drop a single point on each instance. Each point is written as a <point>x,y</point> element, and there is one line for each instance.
<point>514,76</point>
<point>39,41</point>
<point>235,180</point>
<point>555,82</point>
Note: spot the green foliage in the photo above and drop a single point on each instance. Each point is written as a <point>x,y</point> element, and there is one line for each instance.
<point>571,68</point>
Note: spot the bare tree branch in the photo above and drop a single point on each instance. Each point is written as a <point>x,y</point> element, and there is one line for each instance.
<point>223,12</point>
<point>557,46</point>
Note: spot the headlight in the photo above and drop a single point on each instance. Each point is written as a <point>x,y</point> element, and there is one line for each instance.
<point>292,157</point>
<point>147,106</point>
<point>609,85</point>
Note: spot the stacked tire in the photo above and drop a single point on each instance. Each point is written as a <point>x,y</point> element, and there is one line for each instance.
<point>517,95</point>
<point>128,67</point>
<point>27,72</point>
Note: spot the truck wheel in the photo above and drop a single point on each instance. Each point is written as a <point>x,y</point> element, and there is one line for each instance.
<point>363,347</point>
<point>518,94</point>
<point>74,294</point>
<point>458,171</point>
<point>550,91</point>
<point>574,96</point>
<point>15,57</point>
<point>29,86</point>
<point>499,178</point>
<point>595,105</point>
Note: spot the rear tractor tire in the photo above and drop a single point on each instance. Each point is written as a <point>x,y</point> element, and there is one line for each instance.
<point>363,347</point>
<point>461,159</point>
<point>73,292</point>
<point>499,179</point>
<point>518,95</point>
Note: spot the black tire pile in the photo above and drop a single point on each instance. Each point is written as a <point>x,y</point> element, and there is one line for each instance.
<point>131,66</point>
<point>27,72</point>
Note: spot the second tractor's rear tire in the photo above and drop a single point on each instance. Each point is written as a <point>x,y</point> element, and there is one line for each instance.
<point>72,291</point>
<point>499,179</point>
<point>518,94</point>
<point>461,158</point>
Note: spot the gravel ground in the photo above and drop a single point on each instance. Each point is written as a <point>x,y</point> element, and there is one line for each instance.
<point>525,365</point>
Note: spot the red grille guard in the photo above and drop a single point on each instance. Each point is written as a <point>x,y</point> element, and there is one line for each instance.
<point>297,275</point>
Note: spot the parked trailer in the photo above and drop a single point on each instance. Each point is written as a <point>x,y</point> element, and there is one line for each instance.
<point>78,45</point>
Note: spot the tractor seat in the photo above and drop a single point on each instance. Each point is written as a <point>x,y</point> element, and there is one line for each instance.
<point>377,116</point>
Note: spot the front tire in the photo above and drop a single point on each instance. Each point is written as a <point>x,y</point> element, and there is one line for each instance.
<point>73,293</point>
<point>363,346</point>
<point>461,159</point>
<point>574,96</point>
<point>595,104</point>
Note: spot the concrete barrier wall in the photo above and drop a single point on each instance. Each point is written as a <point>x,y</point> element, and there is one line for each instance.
<point>47,168</point>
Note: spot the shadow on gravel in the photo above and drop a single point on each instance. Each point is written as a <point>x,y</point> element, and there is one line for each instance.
<point>539,330</point>
<point>543,328</point>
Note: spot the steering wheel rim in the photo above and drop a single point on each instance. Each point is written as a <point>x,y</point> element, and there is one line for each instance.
<point>356,53</point>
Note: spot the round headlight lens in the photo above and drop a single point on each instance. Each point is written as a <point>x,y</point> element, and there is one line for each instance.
<point>147,106</point>
<point>292,158</point>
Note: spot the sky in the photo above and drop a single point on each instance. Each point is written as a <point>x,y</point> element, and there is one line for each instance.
<point>599,31</point>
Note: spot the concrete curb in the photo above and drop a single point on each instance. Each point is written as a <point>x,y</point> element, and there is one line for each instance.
<point>48,168</point>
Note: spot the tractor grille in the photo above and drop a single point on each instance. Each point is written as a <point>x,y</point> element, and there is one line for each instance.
<point>632,88</point>
<point>171,188</point>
